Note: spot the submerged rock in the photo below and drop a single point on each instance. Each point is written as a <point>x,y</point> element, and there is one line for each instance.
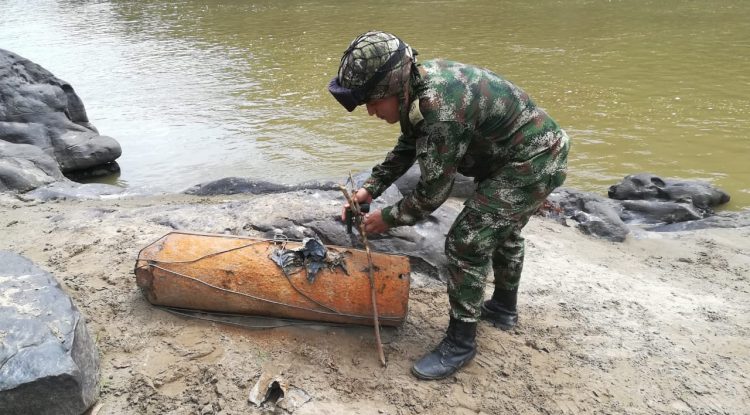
<point>72,191</point>
<point>48,361</point>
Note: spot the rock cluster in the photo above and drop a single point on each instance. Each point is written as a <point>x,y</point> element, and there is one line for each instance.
<point>645,200</point>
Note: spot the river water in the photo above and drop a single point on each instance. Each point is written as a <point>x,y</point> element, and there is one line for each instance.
<point>196,91</point>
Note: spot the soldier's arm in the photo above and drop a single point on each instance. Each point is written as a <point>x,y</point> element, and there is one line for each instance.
<point>439,152</point>
<point>396,163</point>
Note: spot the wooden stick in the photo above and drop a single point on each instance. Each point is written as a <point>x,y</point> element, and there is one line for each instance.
<point>354,205</point>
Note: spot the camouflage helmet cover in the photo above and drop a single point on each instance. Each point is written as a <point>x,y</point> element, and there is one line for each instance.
<point>376,65</point>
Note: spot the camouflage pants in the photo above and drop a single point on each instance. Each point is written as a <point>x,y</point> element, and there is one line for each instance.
<point>487,233</point>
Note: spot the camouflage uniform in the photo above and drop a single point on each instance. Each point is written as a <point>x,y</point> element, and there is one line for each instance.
<point>469,120</point>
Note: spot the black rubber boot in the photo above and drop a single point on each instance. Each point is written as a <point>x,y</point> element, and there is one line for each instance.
<point>457,349</point>
<point>501,309</point>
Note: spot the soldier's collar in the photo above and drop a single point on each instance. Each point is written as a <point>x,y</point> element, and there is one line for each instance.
<point>412,115</point>
<point>417,88</point>
<point>415,114</point>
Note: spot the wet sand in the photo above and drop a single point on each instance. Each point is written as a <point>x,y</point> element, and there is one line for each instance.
<point>658,324</point>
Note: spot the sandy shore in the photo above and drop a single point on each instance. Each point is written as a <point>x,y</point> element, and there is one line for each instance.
<point>659,324</point>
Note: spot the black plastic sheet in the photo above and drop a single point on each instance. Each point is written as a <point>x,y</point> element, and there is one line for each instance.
<point>312,255</point>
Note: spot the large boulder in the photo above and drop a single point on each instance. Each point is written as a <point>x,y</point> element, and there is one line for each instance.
<point>48,361</point>
<point>24,167</point>
<point>39,109</point>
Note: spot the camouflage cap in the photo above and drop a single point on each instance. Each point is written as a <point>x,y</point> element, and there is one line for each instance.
<point>374,55</point>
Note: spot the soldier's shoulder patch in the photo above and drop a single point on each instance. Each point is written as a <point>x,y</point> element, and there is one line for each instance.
<point>415,115</point>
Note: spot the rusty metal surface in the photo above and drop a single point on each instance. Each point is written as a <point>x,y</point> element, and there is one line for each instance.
<point>233,274</point>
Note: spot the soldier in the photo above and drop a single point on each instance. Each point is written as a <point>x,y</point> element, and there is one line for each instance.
<point>457,118</point>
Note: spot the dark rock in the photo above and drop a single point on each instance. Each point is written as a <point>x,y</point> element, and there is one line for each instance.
<point>463,187</point>
<point>308,213</point>
<point>390,196</point>
<point>359,178</point>
<point>646,186</point>
<point>48,361</point>
<point>24,167</point>
<point>317,185</point>
<point>243,185</point>
<point>649,199</point>
<point>39,109</point>
<point>423,242</point>
<point>321,216</point>
<point>640,199</point>
<point>596,215</point>
<point>333,232</point>
<point>105,170</point>
<point>646,211</point>
<point>78,150</point>
<point>235,185</point>
<point>721,220</point>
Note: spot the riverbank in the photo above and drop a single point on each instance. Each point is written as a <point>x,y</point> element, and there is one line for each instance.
<point>197,92</point>
<point>657,324</point>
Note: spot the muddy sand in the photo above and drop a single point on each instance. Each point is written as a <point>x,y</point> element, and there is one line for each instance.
<point>659,324</point>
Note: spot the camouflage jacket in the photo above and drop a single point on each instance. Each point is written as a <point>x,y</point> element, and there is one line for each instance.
<point>469,120</point>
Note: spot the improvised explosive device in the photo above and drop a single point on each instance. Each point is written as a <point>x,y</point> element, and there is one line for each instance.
<point>235,274</point>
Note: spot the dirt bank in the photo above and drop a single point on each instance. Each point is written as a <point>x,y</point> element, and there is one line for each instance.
<point>655,325</point>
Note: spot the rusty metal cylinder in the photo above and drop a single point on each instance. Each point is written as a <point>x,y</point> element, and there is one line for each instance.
<point>232,274</point>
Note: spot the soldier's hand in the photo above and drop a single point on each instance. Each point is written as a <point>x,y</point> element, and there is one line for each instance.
<point>374,222</point>
<point>361,196</point>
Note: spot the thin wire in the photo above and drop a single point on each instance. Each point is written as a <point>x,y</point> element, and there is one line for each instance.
<point>334,312</point>
<point>208,255</point>
<point>153,262</point>
<point>308,297</point>
<point>283,242</point>
<point>223,236</point>
<point>226,318</point>
<point>219,319</point>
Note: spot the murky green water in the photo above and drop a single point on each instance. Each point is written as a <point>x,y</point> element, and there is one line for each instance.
<point>197,91</point>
